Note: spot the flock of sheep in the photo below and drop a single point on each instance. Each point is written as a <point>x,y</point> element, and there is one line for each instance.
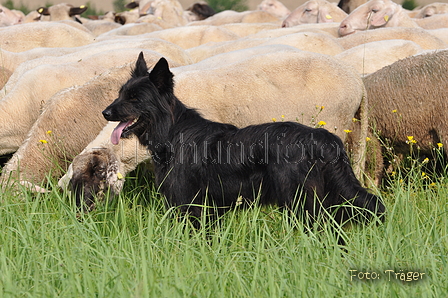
<point>319,65</point>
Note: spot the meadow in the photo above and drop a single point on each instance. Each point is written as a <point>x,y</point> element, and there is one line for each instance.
<point>132,246</point>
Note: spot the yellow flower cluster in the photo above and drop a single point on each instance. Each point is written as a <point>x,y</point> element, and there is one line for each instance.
<point>411,140</point>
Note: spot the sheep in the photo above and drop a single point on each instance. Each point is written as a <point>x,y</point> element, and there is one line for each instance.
<point>408,101</point>
<point>441,33</point>
<point>42,34</point>
<point>171,11</point>
<point>245,29</point>
<point>28,96</point>
<point>435,22</point>
<point>314,11</point>
<point>432,9</point>
<point>375,14</point>
<point>21,62</point>
<point>68,121</point>
<point>130,29</point>
<point>275,8</point>
<point>230,17</point>
<point>350,5</point>
<point>307,41</point>
<point>275,83</point>
<point>420,36</point>
<point>191,36</point>
<point>8,17</point>
<point>369,57</point>
<point>62,11</point>
<point>98,27</point>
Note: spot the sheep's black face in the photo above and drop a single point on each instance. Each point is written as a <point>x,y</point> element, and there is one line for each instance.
<point>94,174</point>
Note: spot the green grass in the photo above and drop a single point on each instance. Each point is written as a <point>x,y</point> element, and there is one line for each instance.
<point>134,247</point>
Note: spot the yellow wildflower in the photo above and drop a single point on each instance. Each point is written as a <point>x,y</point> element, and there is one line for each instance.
<point>43,141</point>
<point>322,123</point>
<point>368,139</point>
<point>283,116</point>
<point>394,111</point>
<point>432,184</point>
<point>49,132</point>
<point>355,120</point>
<point>411,140</point>
<point>347,131</point>
<point>440,145</point>
<point>119,176</point>
<point>425,160</point>
<point>273,119</point>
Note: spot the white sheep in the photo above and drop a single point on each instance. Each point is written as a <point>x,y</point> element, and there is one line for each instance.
<point>372,56</point>
<point>192,36</point>
<point>420,36</point>
<point>431,10</point>
<point>62,11</point>
<point>275,8</point>
<point>307,41</point>
<point>8,17</point>
<point>315,11</point>
<point>43,34</point>
<point>376,14</point>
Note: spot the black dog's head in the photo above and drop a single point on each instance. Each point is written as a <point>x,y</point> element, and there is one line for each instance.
<point>143,101</point>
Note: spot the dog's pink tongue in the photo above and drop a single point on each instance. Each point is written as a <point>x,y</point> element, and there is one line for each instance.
<point>116,134</point>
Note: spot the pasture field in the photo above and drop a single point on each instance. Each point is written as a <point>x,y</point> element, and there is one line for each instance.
<point>134,247</point>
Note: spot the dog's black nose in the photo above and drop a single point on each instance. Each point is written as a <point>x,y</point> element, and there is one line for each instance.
<point>107,113</point>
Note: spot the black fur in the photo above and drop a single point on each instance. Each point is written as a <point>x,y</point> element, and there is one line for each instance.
<point>198,161</point>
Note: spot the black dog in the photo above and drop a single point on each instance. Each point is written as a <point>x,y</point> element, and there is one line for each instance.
<point>199,162</point>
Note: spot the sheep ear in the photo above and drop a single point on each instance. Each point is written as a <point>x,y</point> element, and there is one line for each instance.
<point>324,16</point>
<point>161,76</point>
<point>77,10</point>
<point>43,11</point>
<point>141,69</point>
<point>382,17</point>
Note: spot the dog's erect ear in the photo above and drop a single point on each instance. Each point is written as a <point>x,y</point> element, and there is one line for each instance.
<point>141,69</point>
<point>161,76</point>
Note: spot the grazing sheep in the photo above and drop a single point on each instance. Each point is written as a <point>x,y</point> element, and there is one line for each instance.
<point>43,34</point>
<point>315,11</point>
<point>275,8</point>
<point>8,17</point>
<point>376,14</point>
<point>98,27</point>
<point>432,9</point>
<point>369,57</point>
<point>192,36</point>
<point>230,17</point>
<point>130,29</point>
<point>300,85</point>
<point>307,41</point>
<point>435,22</point>
<point>420,36</point>
<point>62,11</point>
<point>409,98</point>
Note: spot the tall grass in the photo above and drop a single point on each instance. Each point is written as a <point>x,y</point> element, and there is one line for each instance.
<point>134,247</point>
